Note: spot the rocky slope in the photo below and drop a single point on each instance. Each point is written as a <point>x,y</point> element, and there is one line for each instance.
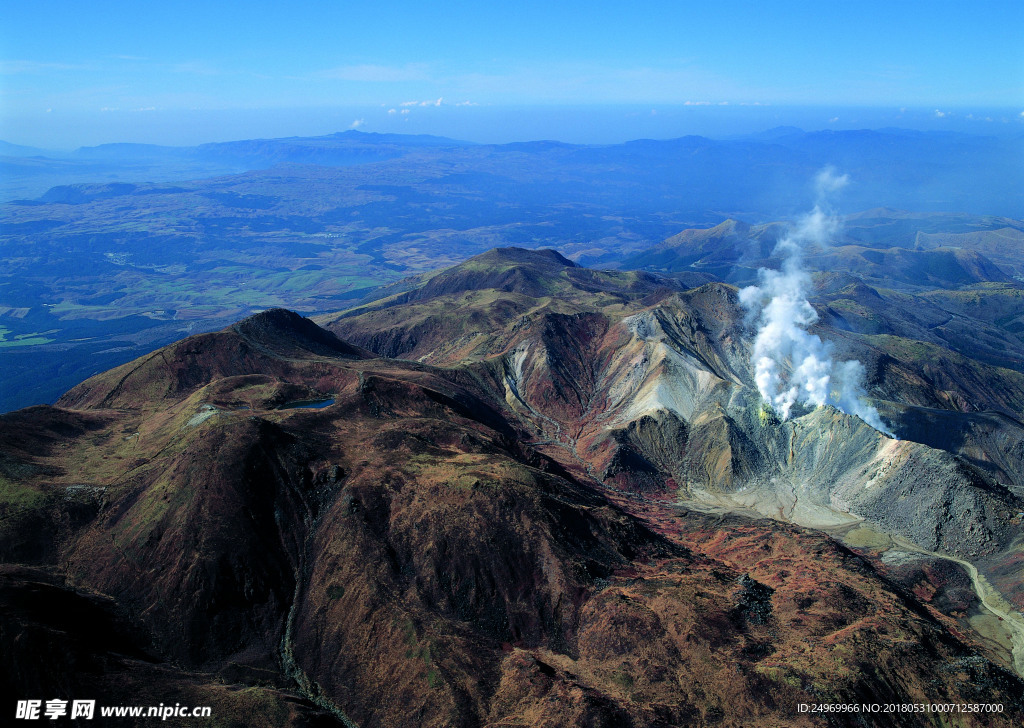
<point>279,524</point>
<point>951,283</point>
<point>649,368</point>
<point>654,394</point>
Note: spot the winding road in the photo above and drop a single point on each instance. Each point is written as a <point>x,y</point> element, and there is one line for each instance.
<point>990,598</point>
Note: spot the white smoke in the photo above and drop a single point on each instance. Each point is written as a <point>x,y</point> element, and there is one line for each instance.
<point>791,364</point>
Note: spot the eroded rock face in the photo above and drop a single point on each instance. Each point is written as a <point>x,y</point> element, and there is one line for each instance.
<point>587,380</point>
<point>491,543</point>
<point>656,394</point>
<point>666,395</point>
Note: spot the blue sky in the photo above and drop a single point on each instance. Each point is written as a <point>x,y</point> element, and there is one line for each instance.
<point>183,72</point>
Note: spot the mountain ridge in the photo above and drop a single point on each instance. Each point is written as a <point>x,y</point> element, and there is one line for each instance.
<point>503,523</point>
<point>696,380</point>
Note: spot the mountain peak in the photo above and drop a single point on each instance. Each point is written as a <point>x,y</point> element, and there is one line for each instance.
<point>287,333</point>
<point>545,257</point>
<point>512,270</point>
<point>277,318</point>
<point>726,227</point>
<point>267,343</point>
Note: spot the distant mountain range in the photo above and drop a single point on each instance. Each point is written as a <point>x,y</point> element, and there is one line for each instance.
<point>152,243</point>
<point>519,491</point>
<point>27,171</point>
<point>76,300</point>
<point>764,176</point>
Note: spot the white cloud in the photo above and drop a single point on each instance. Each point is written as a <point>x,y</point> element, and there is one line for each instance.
<point>833,120</point>
<point>467,103</point>
<point>429,102</point>
<point>941,114</point>
<point>392,111</point>
<point>405,111</point>
<point>827,183</point>
<point>697,103</point>
<point>357,123</point>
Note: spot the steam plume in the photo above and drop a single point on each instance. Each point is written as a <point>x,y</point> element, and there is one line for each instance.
<point>783,313</point>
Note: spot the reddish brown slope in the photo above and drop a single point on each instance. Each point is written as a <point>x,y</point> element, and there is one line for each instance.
<point>404,558</point>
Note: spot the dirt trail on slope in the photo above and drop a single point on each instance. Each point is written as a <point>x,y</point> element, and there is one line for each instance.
<point>1010,619</point>
<point>991,599</point>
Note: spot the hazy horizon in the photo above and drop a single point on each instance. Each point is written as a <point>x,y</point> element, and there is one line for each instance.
<point>191,72</point>
<point>577,124</point>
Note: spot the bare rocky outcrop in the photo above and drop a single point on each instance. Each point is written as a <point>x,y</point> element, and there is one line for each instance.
<point>525,535</point>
